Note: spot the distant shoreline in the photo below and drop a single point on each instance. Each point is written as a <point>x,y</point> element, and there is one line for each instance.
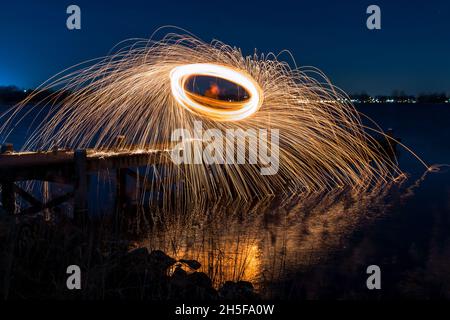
<point>11,95</point>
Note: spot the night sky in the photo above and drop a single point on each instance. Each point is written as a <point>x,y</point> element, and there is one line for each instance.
<point>411,52</point>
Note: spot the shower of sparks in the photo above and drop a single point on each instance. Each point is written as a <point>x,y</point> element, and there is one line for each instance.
<point>139,93</point>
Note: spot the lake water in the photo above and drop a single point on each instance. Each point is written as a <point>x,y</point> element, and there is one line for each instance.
<point>321,247</point>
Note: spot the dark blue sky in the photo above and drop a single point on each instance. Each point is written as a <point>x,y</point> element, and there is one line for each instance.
<point>411,52</point>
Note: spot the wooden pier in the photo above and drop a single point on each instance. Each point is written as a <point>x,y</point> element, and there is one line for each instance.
<point>70,168</point>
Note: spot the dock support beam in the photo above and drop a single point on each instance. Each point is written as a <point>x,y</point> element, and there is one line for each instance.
<point>8,192</point>
<point>81,185</point>
<point>121,187</point>
<point>8,197</point>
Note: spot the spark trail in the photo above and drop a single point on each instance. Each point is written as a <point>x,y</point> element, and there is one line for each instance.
<point>139,92</point>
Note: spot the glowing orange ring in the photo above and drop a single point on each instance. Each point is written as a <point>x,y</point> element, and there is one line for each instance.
<point>219,110</point>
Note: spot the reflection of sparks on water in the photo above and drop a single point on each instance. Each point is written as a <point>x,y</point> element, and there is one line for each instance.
<point>228,259</point>
<point>263,243</point>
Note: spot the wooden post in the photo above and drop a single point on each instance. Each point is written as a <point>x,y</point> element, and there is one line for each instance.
<point>121,186</point>
<point>8,194</point>
<point>81,185</point>
<point>121,177</point>
<point>8,197</point>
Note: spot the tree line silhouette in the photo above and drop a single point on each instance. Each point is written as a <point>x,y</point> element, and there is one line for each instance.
<point>12,95</point>
<point>402,97</point>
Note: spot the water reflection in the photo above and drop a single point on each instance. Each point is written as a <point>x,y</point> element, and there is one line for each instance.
<point>265,241</point>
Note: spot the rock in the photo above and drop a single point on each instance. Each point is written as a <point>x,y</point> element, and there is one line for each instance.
<point>179,278</point>
<point>241,290</point>
<point>193,264</point>
<point>179,273</point>
<point>161,260</point>
<point>135,258</point>
<point>139,253</point>
<point>245,285</point>
<point>200,279</point>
